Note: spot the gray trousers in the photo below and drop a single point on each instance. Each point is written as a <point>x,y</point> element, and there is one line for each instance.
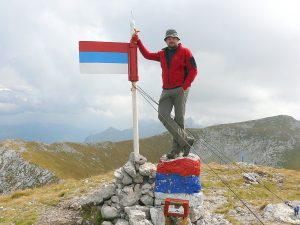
<point>174,98</point>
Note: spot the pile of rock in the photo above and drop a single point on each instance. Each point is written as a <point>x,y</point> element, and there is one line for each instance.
<point>130,199</point>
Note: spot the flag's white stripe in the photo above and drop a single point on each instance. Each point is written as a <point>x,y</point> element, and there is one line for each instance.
<point>104,68</point>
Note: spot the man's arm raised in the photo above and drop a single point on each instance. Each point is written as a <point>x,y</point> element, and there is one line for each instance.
<point>143,49</point>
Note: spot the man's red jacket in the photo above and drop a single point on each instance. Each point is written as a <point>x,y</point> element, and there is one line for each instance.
<point>182,70</point>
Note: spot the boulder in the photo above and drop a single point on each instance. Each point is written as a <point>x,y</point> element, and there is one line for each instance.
<point>139,159</point>
<point>122,222</point>
<point>157,216</point>
<point>118,174</point>
<point>145,209</point>
<point>146,188</point>
<point>115,199</point>
<point>130,169</point>
<point>130,199</point>
<point>128,189</point>
<point>282,213</point>
<point>126,179</point>
<point>147,200</point>
<point>250,177</point>
<point>148,169</point>
<point>137,217</point>
<point>138,179</point>
<point>108,212</point>
<point>97,197</point>
<point>107,223</point>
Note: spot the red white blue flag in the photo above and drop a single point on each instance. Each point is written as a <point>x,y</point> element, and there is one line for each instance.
<point>181,175</point>
<point>103,57</point>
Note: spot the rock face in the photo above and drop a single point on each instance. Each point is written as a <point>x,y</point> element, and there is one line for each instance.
<point>250,177</point>
<point>16,173</point>
<point>130,200</point>
<point>282,213</point>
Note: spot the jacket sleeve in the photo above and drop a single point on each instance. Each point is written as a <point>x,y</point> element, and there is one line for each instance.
<point>191,68</point>
<point>146,53</point>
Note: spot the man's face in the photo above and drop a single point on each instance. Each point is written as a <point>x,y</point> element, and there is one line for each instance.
<point>172,42</point>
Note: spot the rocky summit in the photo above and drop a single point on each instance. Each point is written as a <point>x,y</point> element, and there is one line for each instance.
<point>126,196</point>
<point>130,198</point>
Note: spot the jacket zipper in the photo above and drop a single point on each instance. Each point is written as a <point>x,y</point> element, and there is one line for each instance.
<point>168,66</point>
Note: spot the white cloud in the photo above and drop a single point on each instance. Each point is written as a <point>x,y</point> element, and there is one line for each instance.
<point>247,54</point>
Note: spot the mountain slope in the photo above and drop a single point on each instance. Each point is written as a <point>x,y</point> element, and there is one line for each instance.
<point>271,141</point>
<point>76,160</point>
<point>17,173</point>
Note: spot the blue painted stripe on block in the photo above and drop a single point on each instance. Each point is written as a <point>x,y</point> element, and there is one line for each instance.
<point>173,184</point>
<point>103,57</point>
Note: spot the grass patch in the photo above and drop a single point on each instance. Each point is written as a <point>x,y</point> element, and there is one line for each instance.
<point>24,207</point>
<point>20,193</point>
<point>78,161</point>
<point>255,195</point>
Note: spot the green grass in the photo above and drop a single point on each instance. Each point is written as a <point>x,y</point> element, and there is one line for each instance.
<point>91,159</point>
<point>23,207</point>
<point>255,194</point>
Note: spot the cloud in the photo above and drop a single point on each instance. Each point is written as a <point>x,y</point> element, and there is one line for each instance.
<point>247,54</point>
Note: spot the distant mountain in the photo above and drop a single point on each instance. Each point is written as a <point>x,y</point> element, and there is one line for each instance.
<point>147,128</point>
<point>273,141</point>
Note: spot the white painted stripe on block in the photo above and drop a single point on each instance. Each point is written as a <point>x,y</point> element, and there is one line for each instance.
<point>104,68</point>
<point>195,199</point>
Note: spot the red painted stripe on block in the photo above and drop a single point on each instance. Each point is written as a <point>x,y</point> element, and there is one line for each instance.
<point>99,46</point>
<point>182,167</point>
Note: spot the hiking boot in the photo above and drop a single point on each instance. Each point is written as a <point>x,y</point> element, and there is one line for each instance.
<point>187,148</point>
<point>173,154</point>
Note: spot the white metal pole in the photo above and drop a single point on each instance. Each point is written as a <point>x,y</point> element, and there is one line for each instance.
<point>134,103</point>
<point>135,120</point>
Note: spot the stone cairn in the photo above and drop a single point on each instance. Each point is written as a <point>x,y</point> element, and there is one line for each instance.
<point>137,195</point>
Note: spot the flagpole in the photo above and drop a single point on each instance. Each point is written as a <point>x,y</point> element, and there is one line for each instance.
<point>135,120</point>
<point>133,74</point>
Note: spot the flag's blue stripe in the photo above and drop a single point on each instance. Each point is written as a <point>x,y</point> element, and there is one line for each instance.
<point>173,184</point>
<point>103,57</point>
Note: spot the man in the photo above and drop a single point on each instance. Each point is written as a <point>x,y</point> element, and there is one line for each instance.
<point>296,210</point>
<point>179,70</point>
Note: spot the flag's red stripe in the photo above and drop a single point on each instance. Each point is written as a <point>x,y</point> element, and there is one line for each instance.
<point>97,46</point>
<point>182,167</point>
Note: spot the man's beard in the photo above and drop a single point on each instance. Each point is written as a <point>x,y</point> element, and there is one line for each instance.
<point>172,46</point>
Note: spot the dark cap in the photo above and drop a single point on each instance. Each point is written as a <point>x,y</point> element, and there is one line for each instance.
<point>171,33</point>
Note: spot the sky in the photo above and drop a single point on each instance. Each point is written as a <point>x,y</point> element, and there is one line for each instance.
<point>247,53</point>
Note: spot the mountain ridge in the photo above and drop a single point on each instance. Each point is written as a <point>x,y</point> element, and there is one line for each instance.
<point>147,128</point>
<point>272,141</point>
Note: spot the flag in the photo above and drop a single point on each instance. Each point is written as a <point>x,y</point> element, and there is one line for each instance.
<point>103,57</point>
<point>178,176</point>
